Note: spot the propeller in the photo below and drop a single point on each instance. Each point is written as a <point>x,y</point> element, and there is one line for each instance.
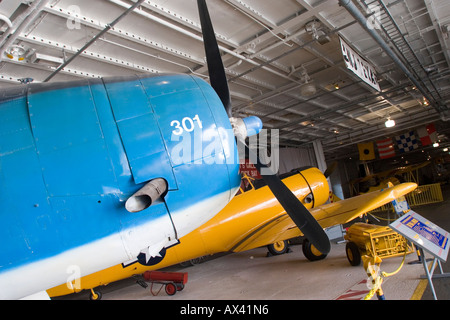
<point>293,207</point>
<point>216,70</point>
<point>330,169</point>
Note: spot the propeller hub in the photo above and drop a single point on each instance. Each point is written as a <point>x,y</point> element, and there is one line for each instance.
<point>246,127</point>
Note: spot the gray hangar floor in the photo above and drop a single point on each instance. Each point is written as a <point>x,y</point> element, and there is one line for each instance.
<point>251,275</point>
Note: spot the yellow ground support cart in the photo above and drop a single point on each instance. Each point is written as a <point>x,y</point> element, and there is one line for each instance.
<point>373,240</point>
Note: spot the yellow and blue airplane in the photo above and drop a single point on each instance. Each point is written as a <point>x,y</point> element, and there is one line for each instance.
<point>252,219</point>
<point>90,171</point>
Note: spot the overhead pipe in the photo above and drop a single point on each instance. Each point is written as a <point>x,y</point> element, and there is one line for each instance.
<point>356,13</point>
<point>6,19</point>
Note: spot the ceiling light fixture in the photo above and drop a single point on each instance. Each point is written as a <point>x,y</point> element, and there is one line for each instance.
<point>16,52</point>
<point>389,123</point>
<point>436,144</point>
<point>317,30</point>
<point>307,89</point>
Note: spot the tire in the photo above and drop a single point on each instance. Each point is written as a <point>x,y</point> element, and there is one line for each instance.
<point>180,286</point>
<point>353,254</point>
<point>95,295</point>
<point>310,252</point>
<point>278,248</point>
<point>171,289</point>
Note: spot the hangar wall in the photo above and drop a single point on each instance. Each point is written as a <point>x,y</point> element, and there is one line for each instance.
<point>292,158</point>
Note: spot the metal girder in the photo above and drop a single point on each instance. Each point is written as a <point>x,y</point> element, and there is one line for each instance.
<point>88,54</point>
<point>125,34</point>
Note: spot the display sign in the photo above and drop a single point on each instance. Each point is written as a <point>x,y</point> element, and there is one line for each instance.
<point>401,206</point>
<point>249,169</point>
<point>423,233</point>
<point>359,66</point>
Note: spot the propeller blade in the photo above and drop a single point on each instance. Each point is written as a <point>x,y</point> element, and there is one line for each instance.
<point>330,169</point>
<point>293,207</point>
<point>216,70</point>
<point>301,216</point>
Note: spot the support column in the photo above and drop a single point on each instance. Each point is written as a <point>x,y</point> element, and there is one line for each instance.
<point>320,157</point>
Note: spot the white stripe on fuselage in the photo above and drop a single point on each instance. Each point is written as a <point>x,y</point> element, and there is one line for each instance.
<point>104,253</point>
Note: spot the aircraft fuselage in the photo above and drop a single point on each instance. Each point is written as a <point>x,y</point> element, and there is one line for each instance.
<point>72,154</point>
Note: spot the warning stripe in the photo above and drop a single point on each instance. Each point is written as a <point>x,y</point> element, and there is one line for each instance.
<point>356,292</point>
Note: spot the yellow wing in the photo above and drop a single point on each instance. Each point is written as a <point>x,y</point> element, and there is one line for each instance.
<point>282,227</point>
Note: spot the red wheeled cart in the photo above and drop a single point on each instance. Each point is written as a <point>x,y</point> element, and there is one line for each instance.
<point>173,281</point>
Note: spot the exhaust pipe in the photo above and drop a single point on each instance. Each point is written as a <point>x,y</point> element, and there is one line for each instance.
<point>147,195</point>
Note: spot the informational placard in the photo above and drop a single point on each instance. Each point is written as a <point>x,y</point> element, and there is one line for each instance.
<point>423,233</point>
<point>401,206</point>
<point>359,66</point>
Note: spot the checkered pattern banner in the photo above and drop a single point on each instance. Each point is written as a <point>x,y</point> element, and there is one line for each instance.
<point>407,142</point>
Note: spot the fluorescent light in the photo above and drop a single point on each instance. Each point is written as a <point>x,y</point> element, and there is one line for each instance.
<point>435,144</point>
<point>389,123</point>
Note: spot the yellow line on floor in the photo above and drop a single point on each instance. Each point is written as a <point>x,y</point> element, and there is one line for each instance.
<point>418,293</point>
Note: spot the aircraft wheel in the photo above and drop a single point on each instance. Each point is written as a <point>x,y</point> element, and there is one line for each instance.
<point>310,252</point>
<point>171,289</point>
<point>95,295</point>
<point>278,248</point>
<point>353,254</point>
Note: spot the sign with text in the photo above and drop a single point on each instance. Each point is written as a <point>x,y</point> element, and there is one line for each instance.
<point>359,66</point>
<point>401,206</point>
<point>249,169</point>
<point>423,233</point>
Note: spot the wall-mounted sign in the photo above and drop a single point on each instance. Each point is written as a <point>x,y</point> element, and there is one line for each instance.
<point>249,169</point>
<point>359,65</point>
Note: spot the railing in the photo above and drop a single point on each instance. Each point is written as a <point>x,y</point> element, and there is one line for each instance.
<point>426,194</point>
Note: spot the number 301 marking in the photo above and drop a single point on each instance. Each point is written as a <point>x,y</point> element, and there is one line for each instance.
<point>187,124</point>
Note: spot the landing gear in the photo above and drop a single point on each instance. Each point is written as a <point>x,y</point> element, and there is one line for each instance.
<point>277,248</point>
<point>310,252</point>
<point>95,295</point>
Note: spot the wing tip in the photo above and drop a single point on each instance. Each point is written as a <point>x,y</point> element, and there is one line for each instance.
<point>406,187</point>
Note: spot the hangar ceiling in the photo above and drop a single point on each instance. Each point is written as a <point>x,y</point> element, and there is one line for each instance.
<point>283,58</point>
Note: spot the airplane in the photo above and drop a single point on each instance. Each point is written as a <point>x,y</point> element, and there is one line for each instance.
<point>378,180</point>
<point>254,218</point>
<point>90,171</point>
